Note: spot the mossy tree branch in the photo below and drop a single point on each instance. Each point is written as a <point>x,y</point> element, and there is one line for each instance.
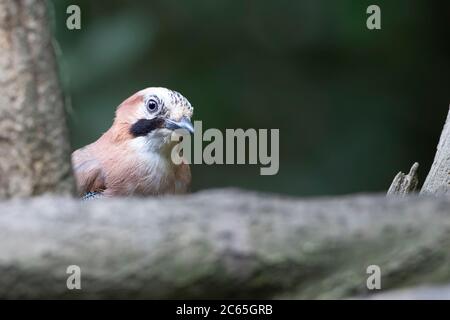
<point>221,244</point>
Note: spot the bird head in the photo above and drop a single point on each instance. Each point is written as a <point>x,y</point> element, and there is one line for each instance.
<point>151,115</point>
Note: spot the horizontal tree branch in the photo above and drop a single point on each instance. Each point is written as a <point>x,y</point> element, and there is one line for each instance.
<point>418,293</point>
<point>221,244</point>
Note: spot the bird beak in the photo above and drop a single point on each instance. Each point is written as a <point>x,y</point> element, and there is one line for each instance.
<point>184,123</point>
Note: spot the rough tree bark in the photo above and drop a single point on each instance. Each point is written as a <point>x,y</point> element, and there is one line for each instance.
<point>221,244</point>
<point>438,179</point>
<point>34,147</point>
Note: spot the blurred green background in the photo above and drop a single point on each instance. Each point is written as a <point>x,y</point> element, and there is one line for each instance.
<point>353,106</point>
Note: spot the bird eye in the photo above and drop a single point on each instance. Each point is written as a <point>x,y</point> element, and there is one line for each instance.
<point>152,105</point>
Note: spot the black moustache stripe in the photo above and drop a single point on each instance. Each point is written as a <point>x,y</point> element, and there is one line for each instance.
<point>142,127</point>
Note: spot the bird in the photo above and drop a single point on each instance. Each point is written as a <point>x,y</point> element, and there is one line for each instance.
<point>133,157</point>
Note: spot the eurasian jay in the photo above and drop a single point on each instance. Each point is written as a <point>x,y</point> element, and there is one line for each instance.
<point>133,158</point>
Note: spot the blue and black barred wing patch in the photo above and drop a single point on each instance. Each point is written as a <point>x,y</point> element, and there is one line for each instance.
<point>92,196</point>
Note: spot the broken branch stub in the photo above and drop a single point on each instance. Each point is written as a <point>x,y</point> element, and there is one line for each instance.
<point>404,184</point>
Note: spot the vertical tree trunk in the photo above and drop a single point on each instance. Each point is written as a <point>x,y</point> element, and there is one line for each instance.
<point>438,179</point>
<point>34,145</point>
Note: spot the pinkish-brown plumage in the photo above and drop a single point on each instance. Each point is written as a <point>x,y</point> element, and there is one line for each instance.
<point>134,156</point>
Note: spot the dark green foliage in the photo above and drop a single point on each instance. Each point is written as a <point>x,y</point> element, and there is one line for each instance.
<point>353,106</point>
